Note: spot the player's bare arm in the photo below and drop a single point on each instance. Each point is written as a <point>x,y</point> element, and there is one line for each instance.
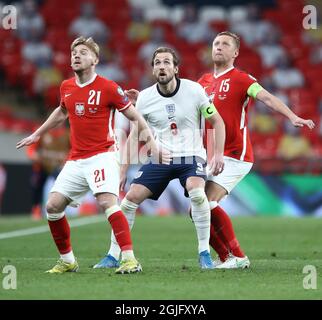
<point>276,104</point>
<point>56,118</point>
<point>217,162</point>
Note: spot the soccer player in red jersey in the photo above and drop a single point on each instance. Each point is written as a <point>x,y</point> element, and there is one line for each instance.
<point>231,90</point>
<point>89,102</point>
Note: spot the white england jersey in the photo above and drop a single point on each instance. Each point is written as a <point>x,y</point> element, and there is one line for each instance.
<point>176,118</point>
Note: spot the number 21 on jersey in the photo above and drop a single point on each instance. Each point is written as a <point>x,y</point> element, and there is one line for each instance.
<point>94,97</point>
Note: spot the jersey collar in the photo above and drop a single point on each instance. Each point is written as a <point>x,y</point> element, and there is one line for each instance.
<point>81,85</point>
<point>171,94</point>
<point>224,72</point>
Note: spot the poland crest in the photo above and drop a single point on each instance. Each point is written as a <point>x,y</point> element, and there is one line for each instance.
<point>79,108</point>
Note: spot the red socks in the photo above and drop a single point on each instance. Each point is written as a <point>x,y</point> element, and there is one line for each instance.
<point>223,227</point>
<point>121,230</point>
<point>217,244</point>
<point>61,234</point>
<point>222,236</point>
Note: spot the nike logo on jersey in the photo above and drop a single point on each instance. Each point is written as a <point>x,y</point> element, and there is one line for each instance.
<point>67,95</point>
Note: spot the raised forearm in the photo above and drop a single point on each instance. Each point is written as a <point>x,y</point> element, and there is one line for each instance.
<point>219,137</point>
<point>56,118</point>
<point>219,134</point>
<point>275,104</point>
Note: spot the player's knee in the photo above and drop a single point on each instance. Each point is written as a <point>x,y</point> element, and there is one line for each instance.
<point>197,196</point>
<point>132,197</point>
<point>53,207</point>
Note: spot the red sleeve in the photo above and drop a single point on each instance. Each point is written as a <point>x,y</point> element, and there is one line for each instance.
<point>118,99</point>
<point>203,80</point>
<point>246,80</point>
<point>200,80</point>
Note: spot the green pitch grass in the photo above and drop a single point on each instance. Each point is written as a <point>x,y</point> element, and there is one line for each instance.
<point>278,248</point>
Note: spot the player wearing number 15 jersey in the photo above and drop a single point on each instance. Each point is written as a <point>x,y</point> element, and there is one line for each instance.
<point>231,91</point>
<point>89,102</point>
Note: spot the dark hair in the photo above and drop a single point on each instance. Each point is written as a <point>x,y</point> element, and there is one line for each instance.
<point>235,37</point>
<point>169,50</point>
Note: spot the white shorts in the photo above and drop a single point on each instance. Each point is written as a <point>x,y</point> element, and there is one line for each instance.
<point>99,173</point>
<point>234,171</point>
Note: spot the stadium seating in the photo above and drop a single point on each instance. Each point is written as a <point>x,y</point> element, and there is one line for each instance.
<point>304,101</point>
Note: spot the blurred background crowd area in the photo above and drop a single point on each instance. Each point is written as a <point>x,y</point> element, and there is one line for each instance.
<point>275,48</point>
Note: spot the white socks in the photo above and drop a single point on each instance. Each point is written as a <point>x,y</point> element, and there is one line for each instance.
<point>55,216</point>
<point>68,257</point>
<point>129,210</point>
<point>213,204</point>
<point>200,212</point>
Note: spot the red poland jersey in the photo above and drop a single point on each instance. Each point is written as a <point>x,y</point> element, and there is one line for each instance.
<point>228,91</point>
<point>91,108</point>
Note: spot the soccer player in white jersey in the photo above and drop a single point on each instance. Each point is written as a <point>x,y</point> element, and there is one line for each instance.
<point>89,102</point>
<point>173,108</point>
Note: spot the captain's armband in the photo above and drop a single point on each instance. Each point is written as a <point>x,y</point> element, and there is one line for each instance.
<point>254,89</point>
<point>208,111</point>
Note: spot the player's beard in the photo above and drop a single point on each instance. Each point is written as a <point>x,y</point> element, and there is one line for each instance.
<point>219,60</point>
<point>165,79</point>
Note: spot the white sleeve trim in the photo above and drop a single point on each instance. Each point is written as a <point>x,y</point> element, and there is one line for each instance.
<point>123,109</point>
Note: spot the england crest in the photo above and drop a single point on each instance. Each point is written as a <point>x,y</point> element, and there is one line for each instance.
<point>171,108</point>
<point>79,108</point>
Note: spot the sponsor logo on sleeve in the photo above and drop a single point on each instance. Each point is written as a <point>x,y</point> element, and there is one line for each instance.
<point>121,93</point>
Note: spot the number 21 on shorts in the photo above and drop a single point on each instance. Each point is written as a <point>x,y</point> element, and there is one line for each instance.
<point>99,175</point>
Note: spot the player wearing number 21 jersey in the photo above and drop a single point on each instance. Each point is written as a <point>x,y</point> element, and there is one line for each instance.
<point>89,102</point>
<point>91,110</point>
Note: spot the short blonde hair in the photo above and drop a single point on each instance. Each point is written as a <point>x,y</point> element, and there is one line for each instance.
<point>235,37</point>
<point>89,43</point>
